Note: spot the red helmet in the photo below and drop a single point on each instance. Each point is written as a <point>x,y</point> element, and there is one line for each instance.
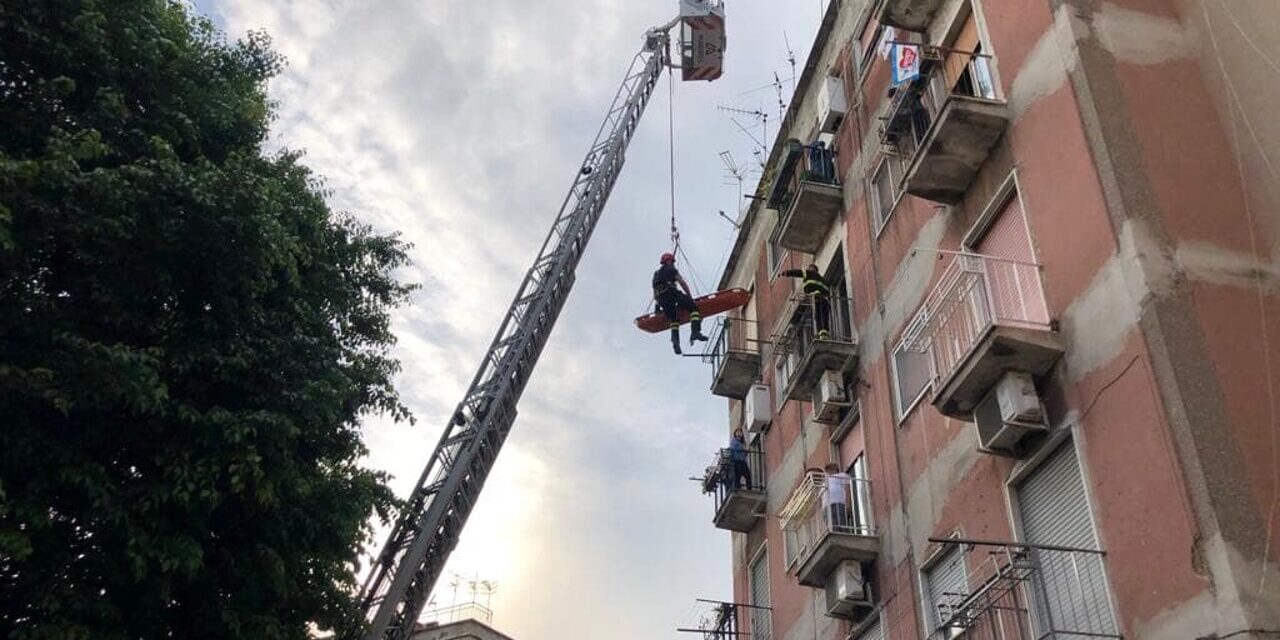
<point>667,258</point>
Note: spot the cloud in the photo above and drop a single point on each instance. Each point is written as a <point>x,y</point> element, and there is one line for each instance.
<point>459,125</point>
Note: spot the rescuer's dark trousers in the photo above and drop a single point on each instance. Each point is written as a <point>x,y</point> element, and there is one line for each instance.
<point>671,303</point>
<point>822,316</point>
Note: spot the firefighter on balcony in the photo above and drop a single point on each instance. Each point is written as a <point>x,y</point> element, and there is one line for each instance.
<point>672,295</point>
<point>819,293</point>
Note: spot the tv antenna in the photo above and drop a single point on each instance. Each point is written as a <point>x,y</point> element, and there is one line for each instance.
<point>761,117</point>
<point>485,589</point>
<point>735,173</point>
<point>791,60</point>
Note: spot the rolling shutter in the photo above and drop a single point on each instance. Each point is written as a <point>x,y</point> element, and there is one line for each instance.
<point>1014,287</point>
<point>873,632</point>
<point>947,586</point>
<point>1055,511</point>
<point>761,623</point>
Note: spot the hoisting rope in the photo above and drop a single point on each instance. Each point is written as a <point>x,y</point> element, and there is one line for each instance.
<point>671,158</point>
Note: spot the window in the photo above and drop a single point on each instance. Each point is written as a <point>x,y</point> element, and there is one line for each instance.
<point>775,252</point>
<point>751,333</point>
<point>910,377</point>
<point>873,632</point>
<point>841,305</point>
<point>761,622</point>
<point>866,49</point>
<point>1053,509</point>
<point>966,68</point>
<point>861,495</point>
<point>945,587</point>
<point>782,368</point>
<point>884,192</point>
<point>790,546</point>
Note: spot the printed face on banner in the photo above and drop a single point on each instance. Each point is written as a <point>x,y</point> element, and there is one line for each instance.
<point>906,63</point>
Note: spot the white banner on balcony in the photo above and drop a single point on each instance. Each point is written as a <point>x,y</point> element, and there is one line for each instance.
<point>906,63</point>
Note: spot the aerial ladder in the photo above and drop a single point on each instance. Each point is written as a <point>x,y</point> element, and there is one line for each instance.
<point>427,530</point>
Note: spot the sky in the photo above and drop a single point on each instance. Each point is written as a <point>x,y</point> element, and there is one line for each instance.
<point>460,125</point>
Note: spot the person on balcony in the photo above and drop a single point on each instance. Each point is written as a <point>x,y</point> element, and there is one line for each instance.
<point>672,294</point>
<point>835,496</point>
<point>819,293</point>
<point>740,471</point>
<point>822,167</point>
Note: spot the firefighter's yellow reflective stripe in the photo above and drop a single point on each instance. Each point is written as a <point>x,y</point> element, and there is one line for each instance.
<point>815,286</point>
<point>674,325</point>
<point>695,315</point>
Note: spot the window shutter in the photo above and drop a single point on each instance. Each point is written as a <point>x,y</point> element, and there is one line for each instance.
<point>761,624</point>
<point>947,585</point>
<point>1054,510</point>
<point>966,41</point>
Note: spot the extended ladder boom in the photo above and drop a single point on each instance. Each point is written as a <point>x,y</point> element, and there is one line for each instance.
<point>427,531</point>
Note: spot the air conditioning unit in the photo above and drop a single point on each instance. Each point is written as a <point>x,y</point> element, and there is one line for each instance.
<point>848,593</point>
<point>831,104</point>
<point>829,397</point>
<point>757,410</point>
<point>1010,412</point>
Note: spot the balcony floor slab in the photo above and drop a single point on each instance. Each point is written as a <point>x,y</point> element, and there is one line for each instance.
<point>822,356</point>
<point>1000,349</point>
<point>813,209</point>
<point>738,371</point>
<point>912,15</point>
<point>959,142</point>
<point>830,551</point>
<point>740,510</point>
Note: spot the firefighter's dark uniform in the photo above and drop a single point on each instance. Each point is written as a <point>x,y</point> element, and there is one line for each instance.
<point>671,300</point>
<point>820,295</point>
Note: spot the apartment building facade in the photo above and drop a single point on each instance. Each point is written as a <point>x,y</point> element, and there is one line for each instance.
<point>1044,374</point>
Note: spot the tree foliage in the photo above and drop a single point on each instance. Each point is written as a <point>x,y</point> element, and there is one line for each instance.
<point>188,338</point>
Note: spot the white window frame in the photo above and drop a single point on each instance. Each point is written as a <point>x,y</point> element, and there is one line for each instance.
<point>881,218</point>
<point>783,366</point>
<point>902,410</point>
<point>760,556</point>
<point>929,608</point>
<point>771,252</point>
<point>861,495</point>
<point>866,57</point>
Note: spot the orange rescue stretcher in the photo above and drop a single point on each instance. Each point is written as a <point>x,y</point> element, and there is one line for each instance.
<point>708,305</point>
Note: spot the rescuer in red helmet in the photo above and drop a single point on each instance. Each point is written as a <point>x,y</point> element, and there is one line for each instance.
<point>673,299</point>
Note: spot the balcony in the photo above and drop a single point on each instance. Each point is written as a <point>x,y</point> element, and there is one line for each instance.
<point>1017,590</point>
<point>985,316</point>
<point>810,352</point>
<point>721,621</point>
<point>738,486</point>
<point>734,358</point>
<point>827,521</point>
<point>807,196</point>
<point>912,15</point>
<point>947,128</point>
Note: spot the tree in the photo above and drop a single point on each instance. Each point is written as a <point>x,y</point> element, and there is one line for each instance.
<point>188,339</point>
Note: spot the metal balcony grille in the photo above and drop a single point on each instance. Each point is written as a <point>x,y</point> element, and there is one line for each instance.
<point>803,163</point>
<point>1018,591</point>
<point>727,474</point>
<point>823,505</point>
<point>975,293</point>
<point>797,336</point>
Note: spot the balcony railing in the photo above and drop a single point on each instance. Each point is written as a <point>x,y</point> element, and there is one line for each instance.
<point>946,126</point>
<point>827,521</point>
<point>734,358</point>
<point>807,196</point>
<point>738,483</point>
<point>1017,590</point>
<point>819,338</point>
<point>978,301</point>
